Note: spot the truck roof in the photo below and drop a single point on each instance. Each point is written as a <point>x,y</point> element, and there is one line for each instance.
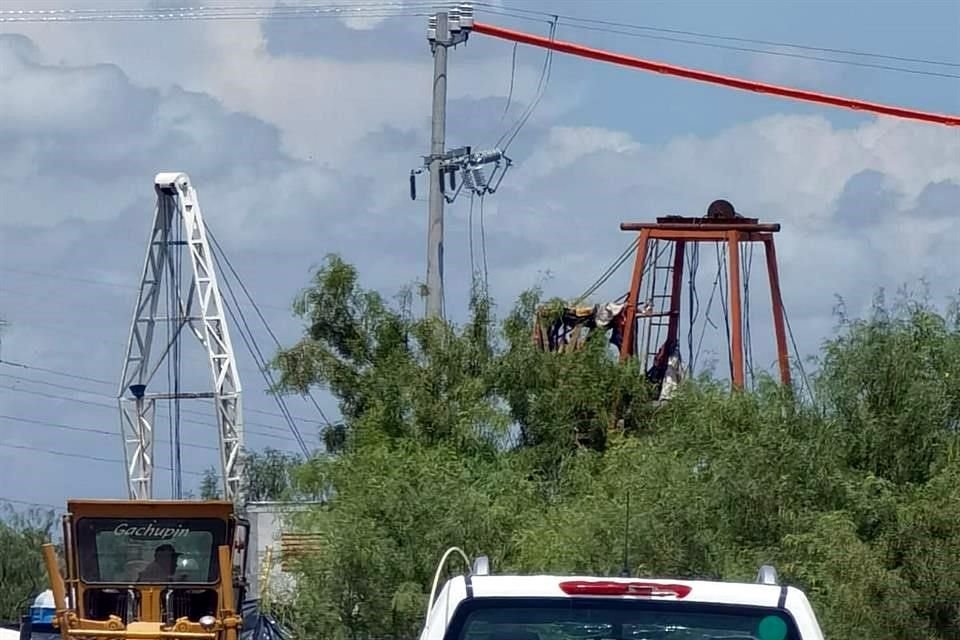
<point>150,508</point>
<point>462,588</point>
<point>699,590</point>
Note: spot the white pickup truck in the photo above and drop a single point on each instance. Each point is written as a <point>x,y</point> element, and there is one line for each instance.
<point>480,606</point>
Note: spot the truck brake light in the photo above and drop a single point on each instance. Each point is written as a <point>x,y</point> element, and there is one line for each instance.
<point>611,588</point>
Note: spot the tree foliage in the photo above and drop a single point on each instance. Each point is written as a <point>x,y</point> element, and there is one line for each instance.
<point>267,475</point>
<point>22,572</point>
<point>210,485</point>
<point>470,436</point>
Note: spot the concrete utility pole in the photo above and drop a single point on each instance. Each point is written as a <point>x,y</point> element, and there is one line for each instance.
<point>444,30</point>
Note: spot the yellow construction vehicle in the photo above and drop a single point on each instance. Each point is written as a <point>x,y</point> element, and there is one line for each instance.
<point>149,569</point>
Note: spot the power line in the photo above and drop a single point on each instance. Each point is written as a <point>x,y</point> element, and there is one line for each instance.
<point>260,315</point>
<point>513,77</point>
<point>67,427</point>
<point>538,96</point>
<point>78,456</point>
<point>577,22</point>
<point>56,425</point>
<point>65,387</point>
<point>113,407</point>
<point>74,376</point>
<point>411,8</point>
<point>325,420</point>
<point>257,354</point>
<point>388,10</point>
<point>94,281</point>
<point>27,503</point>
<point>54,396</point>
<point>63,330</point>
<point>110,383</point>
<point>473,261</point>
<point>253,349</point>
<point>248,12</point>
<point>483,248</point>
<point>246,335</point>
<point>768,52</point>
<point>730,82</point>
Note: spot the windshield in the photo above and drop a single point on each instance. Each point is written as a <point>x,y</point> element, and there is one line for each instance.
<point>151,550</point>
<point>582,619</point>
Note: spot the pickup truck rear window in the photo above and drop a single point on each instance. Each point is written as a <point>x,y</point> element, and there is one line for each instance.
<point>620,619</point>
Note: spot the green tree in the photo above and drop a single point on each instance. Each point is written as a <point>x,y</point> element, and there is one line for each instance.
<point>268,475</point>
<point>395,378</point>
<point>22,572</point>
<point>396,507</point>
<point>210,485</point>
<point>892,385</point>
<point>471,436</point>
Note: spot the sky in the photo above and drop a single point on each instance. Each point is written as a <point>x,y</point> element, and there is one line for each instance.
<point>299,136</point>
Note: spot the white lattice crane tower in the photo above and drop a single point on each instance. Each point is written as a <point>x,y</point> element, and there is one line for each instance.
<point>200,309</point>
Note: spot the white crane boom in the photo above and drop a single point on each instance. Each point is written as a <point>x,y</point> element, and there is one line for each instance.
<point>178,208</point>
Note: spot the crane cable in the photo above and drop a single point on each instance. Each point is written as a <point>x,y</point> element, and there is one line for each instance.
<point>746,268</point>
<point>693,268</point>
<point>661,34</point>
<point>706,316</point>
<point>578,21</point>
<point>483,248</point>
<point>511,133</point>
<point>239,320</point>
<point>722,269</point>
<point>613,268</point>
<point>713,78</point>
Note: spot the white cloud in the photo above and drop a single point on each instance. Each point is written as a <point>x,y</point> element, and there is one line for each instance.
<point>298,155</point>
<point>87,97</point>
<point>793,70</point>
<point>321,105</point>
<point>569,197</point>
<point>564,146</point>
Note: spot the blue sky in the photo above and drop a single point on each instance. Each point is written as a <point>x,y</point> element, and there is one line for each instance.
<point>299,135</point>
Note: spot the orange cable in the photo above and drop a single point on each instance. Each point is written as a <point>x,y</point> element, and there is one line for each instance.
<point>713,78</point>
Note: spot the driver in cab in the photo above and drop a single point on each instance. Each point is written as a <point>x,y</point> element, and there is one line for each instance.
<point>163,566</point>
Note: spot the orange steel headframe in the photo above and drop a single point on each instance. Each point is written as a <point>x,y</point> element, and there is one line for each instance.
<point>685,231</point>
<point>714,78</point>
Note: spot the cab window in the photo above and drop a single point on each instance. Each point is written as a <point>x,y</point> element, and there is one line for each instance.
<point>149,550</point>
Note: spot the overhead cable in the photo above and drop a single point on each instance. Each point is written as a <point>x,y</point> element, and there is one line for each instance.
<point>713,78</point>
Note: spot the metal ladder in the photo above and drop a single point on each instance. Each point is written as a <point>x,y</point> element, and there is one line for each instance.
<point>659,299</point>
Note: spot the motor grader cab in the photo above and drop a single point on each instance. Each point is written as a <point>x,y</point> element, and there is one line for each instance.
<point>149,570</point>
